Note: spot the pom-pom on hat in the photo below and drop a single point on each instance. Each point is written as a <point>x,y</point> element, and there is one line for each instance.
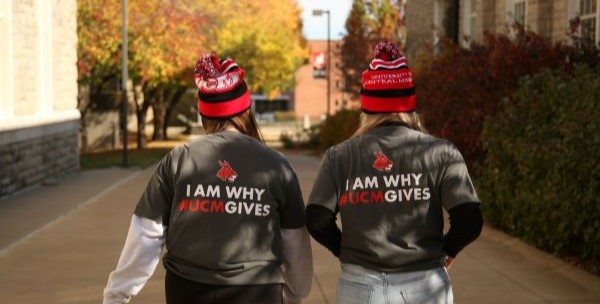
<point>222,91</point>
<point>387,85</point>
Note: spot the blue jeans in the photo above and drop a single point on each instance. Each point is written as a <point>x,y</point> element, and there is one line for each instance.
<point>358,285</point>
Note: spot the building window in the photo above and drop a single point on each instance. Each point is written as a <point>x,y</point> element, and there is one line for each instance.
<point>516,12</point>
<point>519,14</point>
<point>473,18</point>
<point>584,19</point>
<point>588,16</point>
<point>469,22</point>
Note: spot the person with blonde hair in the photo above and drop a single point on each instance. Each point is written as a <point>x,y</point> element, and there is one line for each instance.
<point>226,209</point>
<point>390,183</point>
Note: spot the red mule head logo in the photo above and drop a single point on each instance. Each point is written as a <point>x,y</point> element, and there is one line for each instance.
<point>382,162</point>
<point>226,173</point>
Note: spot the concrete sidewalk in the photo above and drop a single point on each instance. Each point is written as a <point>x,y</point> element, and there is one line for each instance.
<point>58,245</point>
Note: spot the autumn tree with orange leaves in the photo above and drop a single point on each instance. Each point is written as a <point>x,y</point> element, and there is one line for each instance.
<point>167,37</point>
<point>164,37</point>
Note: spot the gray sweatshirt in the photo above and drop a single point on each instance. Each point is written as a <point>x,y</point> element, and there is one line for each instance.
<point>230,212</point>
<point>390,186</point>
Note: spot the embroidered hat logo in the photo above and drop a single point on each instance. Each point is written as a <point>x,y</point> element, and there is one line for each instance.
<point>226,173</point>
<point>382,163</point>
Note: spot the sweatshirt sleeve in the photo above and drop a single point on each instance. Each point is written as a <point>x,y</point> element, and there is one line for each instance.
<point>138,260</point>
<point>325,191</point>
<point>456,186</point>
<point>321,225</point>
<point>466,223</point>
<point>297,266</point>
<point>156,200</point>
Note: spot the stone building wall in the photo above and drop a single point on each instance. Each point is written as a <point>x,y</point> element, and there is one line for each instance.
<point>549,19</point>
<point>40,155</point>
<point>39,120</point>
<point>428,22</point>
<point>560,20</point>
<point>420,26</point>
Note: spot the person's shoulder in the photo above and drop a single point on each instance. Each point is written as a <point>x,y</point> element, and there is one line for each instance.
<point>343,146</point>
<point>275,155</point>
<point>442,147</point>
<point>277,163</point>
<point>431,140</point>
<point>196,145</point>
<point>182,148</point>
<point>174,154</point>
<point>208,142</point>
<point>281,159</point>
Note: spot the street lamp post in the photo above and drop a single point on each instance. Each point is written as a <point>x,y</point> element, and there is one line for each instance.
<point>319,12</point>
<point>124,77</point>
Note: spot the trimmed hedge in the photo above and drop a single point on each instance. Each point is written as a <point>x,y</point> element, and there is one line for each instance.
<point>542,171</point>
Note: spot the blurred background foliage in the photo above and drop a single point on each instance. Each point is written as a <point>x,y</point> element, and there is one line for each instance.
<point>167,37</point>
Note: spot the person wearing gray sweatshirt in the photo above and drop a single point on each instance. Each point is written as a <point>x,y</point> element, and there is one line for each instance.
<point>224,210</point>
<point>390,183</point>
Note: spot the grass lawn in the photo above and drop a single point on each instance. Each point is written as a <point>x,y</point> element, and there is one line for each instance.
<point>137,158</point>
<point>140,158</point>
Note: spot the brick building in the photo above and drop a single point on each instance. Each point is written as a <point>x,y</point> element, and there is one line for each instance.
<point>39,120</point>
<point>465,20</point>
<point>310,93</point>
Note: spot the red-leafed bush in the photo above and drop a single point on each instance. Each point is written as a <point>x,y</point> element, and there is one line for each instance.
<point>459,88</point>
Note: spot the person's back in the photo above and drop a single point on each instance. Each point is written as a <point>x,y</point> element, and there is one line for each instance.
<point>391,202</point>
<point>230,194</point>
<point>226,208</point>
<point>390,183</point>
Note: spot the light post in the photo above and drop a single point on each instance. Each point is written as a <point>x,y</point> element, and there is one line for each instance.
<point>319,12</point>
<point>124,76</point>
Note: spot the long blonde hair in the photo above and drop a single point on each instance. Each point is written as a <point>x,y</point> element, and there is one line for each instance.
<point>244,122</point>
<point>370,121</point>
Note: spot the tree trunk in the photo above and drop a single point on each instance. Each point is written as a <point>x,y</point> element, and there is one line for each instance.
<point>141,126</point>
<point>173,100</point>
<point>159,107</point>
<point>141,111</point>
<point>83,105</point>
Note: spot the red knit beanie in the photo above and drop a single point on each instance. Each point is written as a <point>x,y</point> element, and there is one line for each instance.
<point>387,86</point>
<point>222,91</point>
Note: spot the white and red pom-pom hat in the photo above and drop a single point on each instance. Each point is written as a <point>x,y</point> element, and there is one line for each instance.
<point>387,85</point>
<point>222,91</point>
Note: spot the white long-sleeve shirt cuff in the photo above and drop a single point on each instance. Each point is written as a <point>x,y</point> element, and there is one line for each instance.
<point>297,267</point>
<point>138,260</point>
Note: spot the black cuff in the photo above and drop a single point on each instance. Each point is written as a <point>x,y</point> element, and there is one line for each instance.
<point>466,223</point>
<point>321,225</point>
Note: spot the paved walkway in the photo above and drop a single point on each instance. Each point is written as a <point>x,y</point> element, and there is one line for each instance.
<point>59,243</point>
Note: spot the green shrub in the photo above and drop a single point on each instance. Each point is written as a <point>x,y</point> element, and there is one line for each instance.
<point>303,139</point>
<point>338,127</point>
<point>542,172</point>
